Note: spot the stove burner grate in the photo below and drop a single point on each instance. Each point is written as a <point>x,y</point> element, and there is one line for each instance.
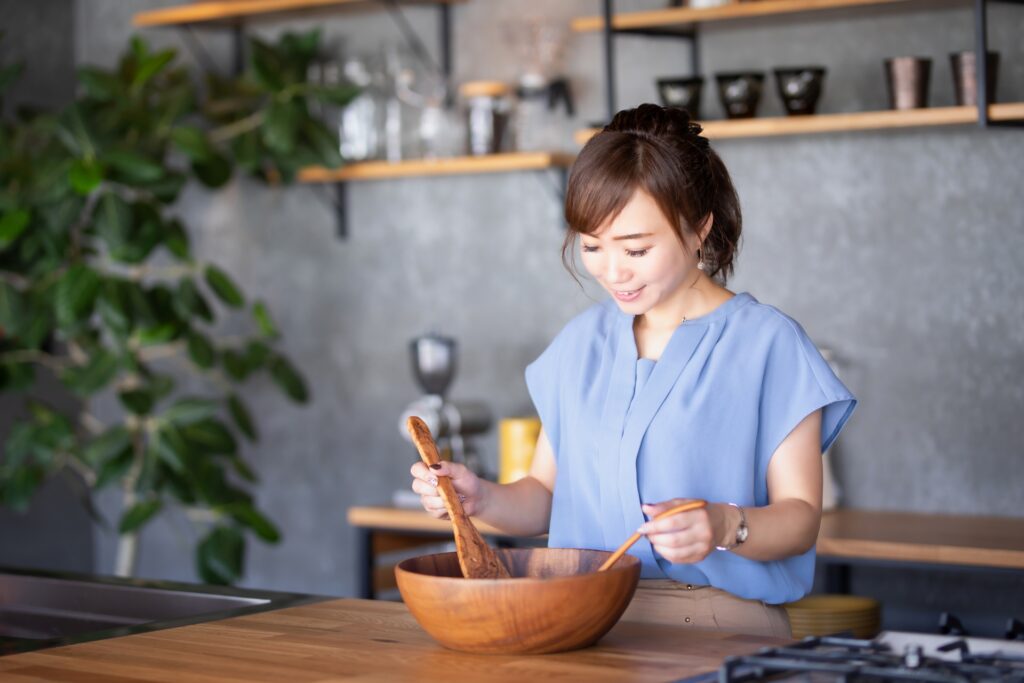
<point>849,660</point>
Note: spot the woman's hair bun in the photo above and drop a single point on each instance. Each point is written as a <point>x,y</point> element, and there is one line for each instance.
<point>651,121</point>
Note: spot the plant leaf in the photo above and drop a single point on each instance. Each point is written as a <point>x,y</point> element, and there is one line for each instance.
<point>176,240</point>
<point>192,142</point>
<point>266,65</point>
<point>186,411</point>
<point>18,485</point>
<point>114,306</point>
<point>263,320</point>
<point>137,401</point>
<point>171,447</point>
<point>288,378</point>
<point>85,176</point>
<point>240,414</point>
<point>113,220</point>
<point>157,334</point>
<point>247,515</point>
<point>107,446</point>
<point>243,470</point>
<point>189,302</point>
<point>324,143</point>
<point>150,66</point>
<point>134,167</point>
<point>210,436</point>
<point>16,376</point>
<point>102,367</point>
<point>339,95</point>
<point>220,555</point>
<point>12,225</point>
<point>12,308</point>
<point>213,172</point>
<point>75,296</point>
<point>99,84</point>
<point>113,469</point>
<point>200,350</point>
<point>138,514</point>
<point>281,127</point>
<point>223,286</point>
<point>234,364</point>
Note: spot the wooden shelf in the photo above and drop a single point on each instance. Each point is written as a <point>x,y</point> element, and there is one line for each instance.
<point>829,123</point>
<point>685,17</point>
<point>492,163</point>
<point>233,11</point>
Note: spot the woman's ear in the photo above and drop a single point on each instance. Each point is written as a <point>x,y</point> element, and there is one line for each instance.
<point>705,228</point>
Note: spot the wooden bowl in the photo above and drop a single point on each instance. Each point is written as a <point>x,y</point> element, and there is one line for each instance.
<point>556,600</point>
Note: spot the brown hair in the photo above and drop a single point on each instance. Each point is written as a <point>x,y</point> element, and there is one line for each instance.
<point>661,151</point>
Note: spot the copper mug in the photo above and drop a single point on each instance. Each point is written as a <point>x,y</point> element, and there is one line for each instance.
<point>907,80</point>
<point>965,77</point>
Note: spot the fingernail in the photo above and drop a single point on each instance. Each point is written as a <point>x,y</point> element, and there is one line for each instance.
<point>642,529</point>
<point>433,481</point>
<point>436,466</point>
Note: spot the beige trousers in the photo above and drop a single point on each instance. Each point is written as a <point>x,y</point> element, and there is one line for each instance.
<point>663,601</point>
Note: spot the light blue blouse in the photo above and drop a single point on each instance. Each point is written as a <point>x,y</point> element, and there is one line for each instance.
<point>701,422</point>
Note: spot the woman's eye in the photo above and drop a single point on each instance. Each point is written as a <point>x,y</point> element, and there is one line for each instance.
<point>587,249</point>
<point>636,252</point>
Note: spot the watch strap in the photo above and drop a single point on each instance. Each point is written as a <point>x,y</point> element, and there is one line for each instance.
<point>742,530</point>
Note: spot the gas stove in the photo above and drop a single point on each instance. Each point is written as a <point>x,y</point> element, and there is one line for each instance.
<point>892,656</point>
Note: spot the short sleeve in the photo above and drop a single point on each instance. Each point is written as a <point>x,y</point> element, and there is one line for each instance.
<point>543,385</point>
<point>798,381</point>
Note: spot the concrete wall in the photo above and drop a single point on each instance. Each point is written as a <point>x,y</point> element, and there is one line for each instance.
<point>900,250</point>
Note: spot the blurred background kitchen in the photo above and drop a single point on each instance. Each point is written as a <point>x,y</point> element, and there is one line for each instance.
<point>899,250</point>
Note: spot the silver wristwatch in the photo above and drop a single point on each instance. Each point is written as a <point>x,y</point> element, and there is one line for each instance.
<point>741,531</point>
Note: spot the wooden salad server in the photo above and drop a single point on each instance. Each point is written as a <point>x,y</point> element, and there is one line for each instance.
<point>476,558</point>
<point>614,557</point>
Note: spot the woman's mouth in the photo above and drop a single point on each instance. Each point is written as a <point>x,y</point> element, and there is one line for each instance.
<point>627,295</point>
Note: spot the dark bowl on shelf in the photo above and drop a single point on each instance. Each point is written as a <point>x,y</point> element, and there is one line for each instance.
<point>800,88</point>
<point>740,93</point>
<point>682,93</point>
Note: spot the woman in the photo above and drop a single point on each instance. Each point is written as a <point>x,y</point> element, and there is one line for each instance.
<point>674,389</point>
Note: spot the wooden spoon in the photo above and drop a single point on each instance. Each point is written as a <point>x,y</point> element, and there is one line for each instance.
<point>692,505</point>
<point>476,558</point>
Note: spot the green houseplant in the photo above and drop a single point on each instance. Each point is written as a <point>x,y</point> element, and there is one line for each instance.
<point>99,286</point>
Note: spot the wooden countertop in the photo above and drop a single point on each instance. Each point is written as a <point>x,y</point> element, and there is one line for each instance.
<point>971,540</point>
<point>364,640</point>
<point>847,533</point>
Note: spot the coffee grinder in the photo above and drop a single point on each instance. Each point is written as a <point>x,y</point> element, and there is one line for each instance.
<point>451,422</point>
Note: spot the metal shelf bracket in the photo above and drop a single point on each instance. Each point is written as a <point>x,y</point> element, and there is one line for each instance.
<point>981,65</point>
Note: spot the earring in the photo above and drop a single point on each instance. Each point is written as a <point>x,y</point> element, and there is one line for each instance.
<point>700,259</point>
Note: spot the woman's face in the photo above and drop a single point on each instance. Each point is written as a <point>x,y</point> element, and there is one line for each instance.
<point>639,259</point>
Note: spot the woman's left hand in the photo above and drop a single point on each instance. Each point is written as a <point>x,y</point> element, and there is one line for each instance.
<point>685,537</point>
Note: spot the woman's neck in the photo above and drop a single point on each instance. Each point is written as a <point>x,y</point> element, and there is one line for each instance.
<point>693,301</point>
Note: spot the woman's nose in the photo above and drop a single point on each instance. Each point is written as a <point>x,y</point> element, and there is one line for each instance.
<point>617,271</point>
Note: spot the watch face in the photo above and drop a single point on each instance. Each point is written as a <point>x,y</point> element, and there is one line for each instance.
<point>741,533</point>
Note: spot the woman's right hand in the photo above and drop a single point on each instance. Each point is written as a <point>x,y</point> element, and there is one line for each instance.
<point>467,485</point>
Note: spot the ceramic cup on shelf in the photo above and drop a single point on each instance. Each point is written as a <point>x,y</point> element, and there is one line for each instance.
<point>683,93</point>
<point>907,80</point>
<point>740,93</point>
<point>965,77</point>
<point>800,88</point>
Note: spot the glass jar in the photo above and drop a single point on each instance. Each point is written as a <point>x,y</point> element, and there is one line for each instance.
<point>488,113</point>
<point>359,131</point>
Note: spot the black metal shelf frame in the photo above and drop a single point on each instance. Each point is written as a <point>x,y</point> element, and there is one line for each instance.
<point>692,36</point>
